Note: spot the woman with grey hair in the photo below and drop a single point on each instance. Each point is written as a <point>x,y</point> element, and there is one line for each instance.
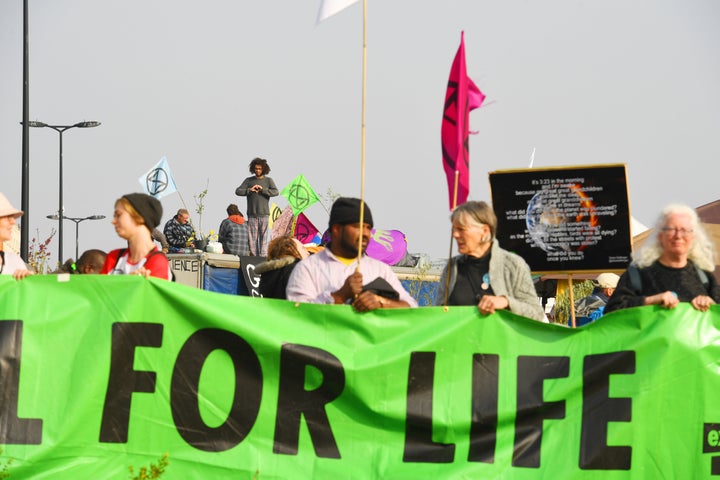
<point>675,266</point>
<point>484,274</point>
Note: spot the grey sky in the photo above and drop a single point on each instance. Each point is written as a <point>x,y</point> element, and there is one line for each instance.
<point>213,84</point>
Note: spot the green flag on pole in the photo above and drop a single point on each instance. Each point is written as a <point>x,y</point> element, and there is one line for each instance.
<point>300,194</point>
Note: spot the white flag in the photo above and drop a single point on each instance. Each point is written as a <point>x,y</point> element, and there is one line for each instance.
<point>328,8</point>
<point>158,181</point>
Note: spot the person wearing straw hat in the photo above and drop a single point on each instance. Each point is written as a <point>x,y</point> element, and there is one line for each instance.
<point>10,262</point>
<point>333,275</point>
<point>135,216</point>
<point>591,307</point>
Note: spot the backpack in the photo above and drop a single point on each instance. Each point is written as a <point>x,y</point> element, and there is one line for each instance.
<point>148,257</point>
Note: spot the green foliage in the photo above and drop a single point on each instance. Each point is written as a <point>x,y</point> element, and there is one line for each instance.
<point>329,198</point>
<point>5,466</point>
<point>415,285</point>
<point>200,208</point>
<point>155,470</point>
<point>562,301</point>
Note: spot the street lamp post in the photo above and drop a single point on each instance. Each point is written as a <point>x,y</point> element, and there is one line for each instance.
<point>60,129</point>
<point>77,227</point>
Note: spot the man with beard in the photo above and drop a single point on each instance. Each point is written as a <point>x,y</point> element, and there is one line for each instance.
<point>332,275</point>
<point>258,189</point>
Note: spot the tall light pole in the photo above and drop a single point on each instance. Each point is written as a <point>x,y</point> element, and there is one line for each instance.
<point>77,227</point>
<point>60,129</point>
<point>25,190</point>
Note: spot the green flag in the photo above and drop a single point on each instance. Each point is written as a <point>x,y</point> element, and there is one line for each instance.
<point>300,194</point>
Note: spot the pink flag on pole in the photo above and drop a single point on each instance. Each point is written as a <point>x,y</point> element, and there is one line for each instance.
<point>305,231</point>
<point>462,96</point>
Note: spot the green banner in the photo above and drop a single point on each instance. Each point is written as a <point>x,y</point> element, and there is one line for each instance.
<point>101,373</point>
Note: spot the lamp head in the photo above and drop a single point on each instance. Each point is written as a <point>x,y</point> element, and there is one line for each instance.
<point>36,124</point>
<point>87,124</point>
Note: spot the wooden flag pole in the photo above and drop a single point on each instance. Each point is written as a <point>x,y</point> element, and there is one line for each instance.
<point>571,296</point>
<point>190,221</point>
<point>454,204</point>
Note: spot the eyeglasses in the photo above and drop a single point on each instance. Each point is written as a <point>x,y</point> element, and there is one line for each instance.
<point>683,232</point>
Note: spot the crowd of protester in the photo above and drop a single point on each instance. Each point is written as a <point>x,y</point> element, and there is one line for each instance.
<point>676,264</point>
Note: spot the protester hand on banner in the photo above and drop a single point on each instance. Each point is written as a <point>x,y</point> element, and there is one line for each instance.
<point>367,302</point>
<point>702,303</point>
<point>20,274</point>
<point>142,272</point>
<point>490,303</point>
<point>670,299</point>
<point>665,299</point>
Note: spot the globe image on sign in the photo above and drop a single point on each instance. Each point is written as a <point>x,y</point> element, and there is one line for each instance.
<point>561,218</point>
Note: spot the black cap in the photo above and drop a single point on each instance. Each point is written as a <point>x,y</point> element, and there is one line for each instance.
<point>149,208</point>
<point>347,210</point>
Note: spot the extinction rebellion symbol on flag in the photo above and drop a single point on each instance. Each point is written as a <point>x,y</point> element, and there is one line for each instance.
<point>299,197</point>
<point>156,181</point>
<point>299,194</point>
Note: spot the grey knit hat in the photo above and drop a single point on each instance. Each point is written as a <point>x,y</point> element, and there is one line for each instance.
<point>149,208</point>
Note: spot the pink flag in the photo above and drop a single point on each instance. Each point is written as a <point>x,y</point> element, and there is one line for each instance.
<point>461,97</point>
<point>305,231</point>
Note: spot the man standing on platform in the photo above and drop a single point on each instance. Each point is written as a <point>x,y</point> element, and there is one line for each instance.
<point>258,189</point>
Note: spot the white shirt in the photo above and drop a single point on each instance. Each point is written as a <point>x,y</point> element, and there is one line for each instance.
<point>12,262</point>
<point>314,279</point>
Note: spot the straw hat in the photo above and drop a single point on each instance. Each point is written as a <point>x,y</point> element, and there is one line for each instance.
<point>607,280</point>
<point>6,209</point>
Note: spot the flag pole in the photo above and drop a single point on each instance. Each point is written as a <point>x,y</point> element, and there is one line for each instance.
<point>182,201</point>
<point>362,136</point>
<point>454,204</point>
